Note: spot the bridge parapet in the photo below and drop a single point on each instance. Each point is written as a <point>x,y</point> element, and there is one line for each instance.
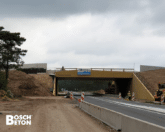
<point>100,69</point>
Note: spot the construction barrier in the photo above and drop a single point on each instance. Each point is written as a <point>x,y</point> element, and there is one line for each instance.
<point>82,96</point>
<point>119,95</point>
<point>79,100</point>
<point>71,95</point>
<point>119,121</point>
<point>162,99</point>
<point>133,96</point>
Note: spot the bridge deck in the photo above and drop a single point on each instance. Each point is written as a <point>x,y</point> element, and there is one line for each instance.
<point>95,74</point>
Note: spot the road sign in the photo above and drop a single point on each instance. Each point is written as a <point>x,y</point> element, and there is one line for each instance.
<point>83,71</point>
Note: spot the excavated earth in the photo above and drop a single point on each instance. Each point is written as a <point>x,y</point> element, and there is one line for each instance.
<point>24,84</point>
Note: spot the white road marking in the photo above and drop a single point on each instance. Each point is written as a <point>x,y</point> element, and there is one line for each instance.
<point>141,107</point>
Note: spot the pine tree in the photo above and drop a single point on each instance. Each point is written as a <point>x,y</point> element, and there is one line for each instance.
<point>9,50</point>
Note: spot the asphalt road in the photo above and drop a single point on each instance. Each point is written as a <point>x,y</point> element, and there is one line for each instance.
<point>148,112</point>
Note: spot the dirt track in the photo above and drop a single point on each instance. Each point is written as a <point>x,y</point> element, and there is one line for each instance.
<point>51,114</point>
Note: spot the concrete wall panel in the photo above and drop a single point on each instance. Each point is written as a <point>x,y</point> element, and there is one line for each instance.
<point>35,65</point>
<point>85,106</point>
<point>148,68</point>
<point>94,111</point>
<point>130,124</point>
<point>118,120</point>
<point>111,118</point>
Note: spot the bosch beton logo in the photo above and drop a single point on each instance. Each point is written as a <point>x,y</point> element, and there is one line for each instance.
<point>18,120</point>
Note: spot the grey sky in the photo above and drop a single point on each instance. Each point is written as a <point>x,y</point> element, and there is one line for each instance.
<point>88,33</point>
<point>53,8</point>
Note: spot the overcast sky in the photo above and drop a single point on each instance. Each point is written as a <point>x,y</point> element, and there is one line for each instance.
<point>88,33</point>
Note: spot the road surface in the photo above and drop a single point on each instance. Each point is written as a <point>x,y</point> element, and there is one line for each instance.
<point>148,112</point>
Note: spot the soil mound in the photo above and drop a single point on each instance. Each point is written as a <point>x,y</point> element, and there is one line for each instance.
<point>151,79</point>
<point>45,79</point>
<point>24,84</point>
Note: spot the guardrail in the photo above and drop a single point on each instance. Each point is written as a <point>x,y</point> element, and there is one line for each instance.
<point>101,69</point>
<point>118,120</point>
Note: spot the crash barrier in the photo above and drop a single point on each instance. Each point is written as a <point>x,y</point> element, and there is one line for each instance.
<point>119,121</point>
<point>119,95</point>
<point>133,96</point>
<point>71,95</point>
<point>82,96</point>
<point>162,99</point>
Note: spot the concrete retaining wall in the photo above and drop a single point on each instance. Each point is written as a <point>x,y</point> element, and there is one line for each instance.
<point>148,68</point>
<point>141,92</point>
<point>35,65</point>
<point>119,121</point>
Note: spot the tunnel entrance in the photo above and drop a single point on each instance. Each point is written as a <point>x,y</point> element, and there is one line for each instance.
<point>122,85</point>
<point>82,84</point>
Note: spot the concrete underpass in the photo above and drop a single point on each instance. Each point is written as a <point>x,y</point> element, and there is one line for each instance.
<point>122,85</point>
<point>125,81</point>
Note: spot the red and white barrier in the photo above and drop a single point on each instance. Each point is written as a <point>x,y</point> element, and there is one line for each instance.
<point>162,99</point>
<point>82,96</point>
<point>71,95</point>
<point>133,96</point>
<point>79,100</point>
<point>119,95</point>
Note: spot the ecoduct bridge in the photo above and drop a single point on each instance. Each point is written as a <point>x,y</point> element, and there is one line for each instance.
<point>124,78</point>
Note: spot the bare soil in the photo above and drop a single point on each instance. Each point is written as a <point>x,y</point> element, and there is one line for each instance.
<point>22,84</point>
<point>151,79</point>
<point>50,114</point>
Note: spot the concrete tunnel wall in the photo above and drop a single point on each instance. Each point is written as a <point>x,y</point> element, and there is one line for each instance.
<point>123,84</point>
